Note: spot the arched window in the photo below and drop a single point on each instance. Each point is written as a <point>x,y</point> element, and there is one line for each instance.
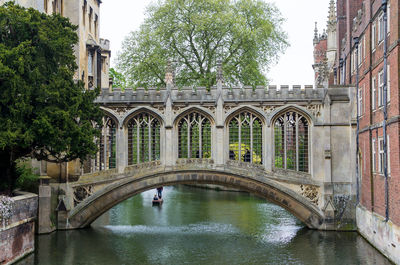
<point>106,158</point>
<point>245,138</point>
<point>143,139</point>
<point>194,136</point>
<point>291,141</point>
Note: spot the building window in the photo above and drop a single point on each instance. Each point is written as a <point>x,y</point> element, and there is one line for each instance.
<point>96,18</point>
<point>388,17</point>
<point>106,158</point>
<point>194,136</point>
<point>84,11</point>
<point>45,6</point>
<point>58,7</point>
<point>291,141</point>
<point>381,155</point>
<point>364,50</point>
<point>245,138</point>
<point>143,139</point>
<point>373,155</point>
<point>373,36</point>
<point>90,63</point>
<point>373,93</point>
<point>388,83</point>
<point>90,19</point>
<point>388,155</point>
<point>381,28</point>
<point>360,101</point>
<point>380,88</point>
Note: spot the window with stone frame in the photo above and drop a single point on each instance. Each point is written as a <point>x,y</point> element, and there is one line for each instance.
<point>381,29</point>
<point>245,138</point>
<point>194,136</point>
<point>380,88</point>
<point>291,141</point>
<point>360,101</point>
<point>373,36</point>
<point>381,153</point>
<point>143,138</point>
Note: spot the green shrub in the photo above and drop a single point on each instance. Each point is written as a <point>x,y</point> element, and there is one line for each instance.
<point>27,180</point>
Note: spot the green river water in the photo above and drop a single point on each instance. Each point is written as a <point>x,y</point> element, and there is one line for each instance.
<point>198,226</point>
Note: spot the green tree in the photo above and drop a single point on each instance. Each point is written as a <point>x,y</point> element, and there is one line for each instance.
<point>245,35</point>
<point>118,79</point>
<point>44,113</point>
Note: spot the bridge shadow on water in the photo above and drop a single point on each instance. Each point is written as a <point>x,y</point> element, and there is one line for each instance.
<point>197,226</point>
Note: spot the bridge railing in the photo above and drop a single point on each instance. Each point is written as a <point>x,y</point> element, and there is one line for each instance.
<point>189,94</point>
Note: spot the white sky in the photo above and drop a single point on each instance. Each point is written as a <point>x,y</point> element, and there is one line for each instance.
<point>119,17</point>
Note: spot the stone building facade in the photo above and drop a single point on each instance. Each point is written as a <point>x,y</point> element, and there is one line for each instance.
<point>379,195</point>
<point>92,53</point>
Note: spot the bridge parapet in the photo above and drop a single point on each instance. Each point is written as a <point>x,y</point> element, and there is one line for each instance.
<point>201,94</point>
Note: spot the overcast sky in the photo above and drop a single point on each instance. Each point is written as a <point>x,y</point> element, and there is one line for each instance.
<point>119,17</point>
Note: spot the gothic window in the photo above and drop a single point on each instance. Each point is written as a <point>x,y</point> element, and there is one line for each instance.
<point>245,138</point>
<point>106,158</point>
<point>194,136</point>
<point>143,139</point>
<point>291,141</point>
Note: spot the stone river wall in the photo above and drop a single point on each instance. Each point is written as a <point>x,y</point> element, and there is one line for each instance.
<point>17,235</point>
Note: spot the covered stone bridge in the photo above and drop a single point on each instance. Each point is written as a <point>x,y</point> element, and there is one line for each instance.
<point>294,146</point>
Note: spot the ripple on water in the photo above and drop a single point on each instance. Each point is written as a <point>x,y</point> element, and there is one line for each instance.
<point>192,229</point>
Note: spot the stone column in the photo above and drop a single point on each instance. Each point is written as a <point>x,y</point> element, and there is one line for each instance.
<point>268,148</point>
<point>168,145</point>
<point>219,143</point>
<point>122,156</point>
<point>44,221</point>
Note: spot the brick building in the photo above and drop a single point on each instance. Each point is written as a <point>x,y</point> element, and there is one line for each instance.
<point>378,213</point>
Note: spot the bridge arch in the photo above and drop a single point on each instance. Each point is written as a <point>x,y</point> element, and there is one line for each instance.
<point>98,203</point>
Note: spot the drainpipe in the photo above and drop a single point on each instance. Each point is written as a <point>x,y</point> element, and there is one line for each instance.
<point>385,115</point>
<point>356,42</point>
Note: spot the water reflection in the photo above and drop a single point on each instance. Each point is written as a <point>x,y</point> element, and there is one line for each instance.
<point>197,226</point>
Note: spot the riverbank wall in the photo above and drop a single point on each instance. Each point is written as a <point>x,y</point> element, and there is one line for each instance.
<point>383,235</point>
<point>17,234</point>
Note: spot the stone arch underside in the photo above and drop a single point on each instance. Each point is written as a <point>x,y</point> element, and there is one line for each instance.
<point>94,206</point>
